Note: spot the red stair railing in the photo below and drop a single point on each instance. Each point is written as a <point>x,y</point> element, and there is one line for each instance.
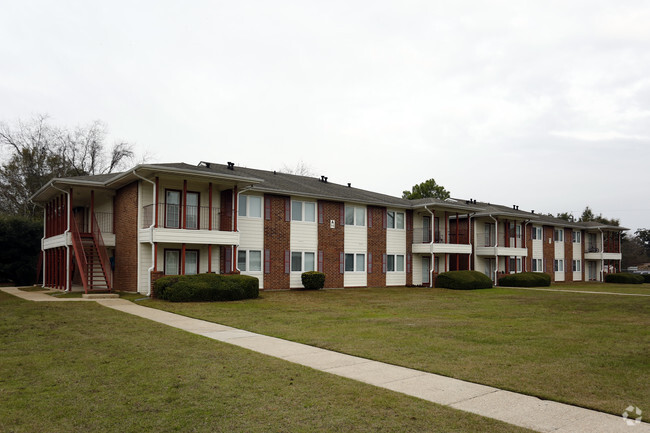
<point>103,255</point>
<point>79,252</point>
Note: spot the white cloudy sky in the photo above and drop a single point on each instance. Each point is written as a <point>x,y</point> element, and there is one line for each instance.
<point>543,104</point>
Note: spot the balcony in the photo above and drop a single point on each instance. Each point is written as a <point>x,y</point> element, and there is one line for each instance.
<point>425,243</point>
<point>186,224</point>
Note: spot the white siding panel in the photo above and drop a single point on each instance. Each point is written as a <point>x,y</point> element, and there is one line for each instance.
<point>144,261</point>
<point>356,239</point>
<point>416,267</point>
<point>304,237</point>
<point>395,278</point>
<point>559,250</point>
<point>559,276</point>
<point>396,241</point>
<point>355,279</point>
<point>251,233</point>
<point>538,249</point>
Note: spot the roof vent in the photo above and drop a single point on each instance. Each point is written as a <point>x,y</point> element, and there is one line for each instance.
<point>517,207</point>
<point>323,179</point>
<point>349,185</point>
<point>274,172</point>
<point>532,211</point>
<point>231,165</point>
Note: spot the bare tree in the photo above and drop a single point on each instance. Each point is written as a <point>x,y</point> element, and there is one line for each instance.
<point>38,152</point>
<point>300,169</point>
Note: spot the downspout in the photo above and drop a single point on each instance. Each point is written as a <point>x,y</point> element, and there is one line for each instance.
<point>496,247</point>
<point>431,265</point>
<point>602,258</point>
<point>234,259</point>
<point>153,223</point>
<point>67,247</point>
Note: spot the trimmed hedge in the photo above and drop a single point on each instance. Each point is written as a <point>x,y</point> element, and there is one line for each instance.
<point>646,278</point>
<point>623,278</point>
<point>206,287</point>
<point>463,280</point>
<point>312,280</point>
<point>526,279</point>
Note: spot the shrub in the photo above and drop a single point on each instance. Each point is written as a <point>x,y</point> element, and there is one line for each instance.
<point>646,278</point>
<point>463,280</point>
<point>313,280</point>
<point>206,287</point>
<point>623,278</point>
<point>526,279</point>
<point>20,243</point>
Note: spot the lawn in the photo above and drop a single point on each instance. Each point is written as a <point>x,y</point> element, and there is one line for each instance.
<point>587,350</point>
<point>643,289</point>
<point>79,366</point>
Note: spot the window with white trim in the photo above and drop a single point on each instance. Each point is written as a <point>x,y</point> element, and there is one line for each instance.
<point>355,262</point>
<point>394,263</point>
<point>537,233</point>
<point>302,261</point>
<point>559,235</point>
<point>395,220</point>
<point>250,206</point>
<point>577,238</point>
<point>191,262</point>
<point>577,265</point>
<point>303,211</point>
<point>249,260</point>
<point>537,265</point>
<point>558,265</point>
<point>355,215</point>
<point>515,264</point>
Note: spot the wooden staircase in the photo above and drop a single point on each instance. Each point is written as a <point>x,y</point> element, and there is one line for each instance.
<point>96,277</point>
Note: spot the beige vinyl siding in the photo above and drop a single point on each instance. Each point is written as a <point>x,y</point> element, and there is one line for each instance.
<point>356,241</point>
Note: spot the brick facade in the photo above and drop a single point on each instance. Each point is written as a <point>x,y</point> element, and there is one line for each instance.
<point>277,232</point>
<point>549,251</point>
<point>330,242</point>
<point>376,246</point>
<point>568,255</point>
<point>125,276</point>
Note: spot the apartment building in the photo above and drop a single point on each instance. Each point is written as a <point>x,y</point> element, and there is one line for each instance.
<point>124,230</point>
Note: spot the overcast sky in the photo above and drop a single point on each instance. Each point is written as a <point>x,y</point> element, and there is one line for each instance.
<point>544,104</point>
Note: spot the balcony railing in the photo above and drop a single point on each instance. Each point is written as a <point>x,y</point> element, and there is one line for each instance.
<point>173,216</point>
<point>422,237</point>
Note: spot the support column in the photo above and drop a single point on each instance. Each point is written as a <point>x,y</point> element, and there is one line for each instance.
<point>184,214</point>
<point>92,210</point>
<point>210,251</point>
<point>156,210</point>
<point>209,213</point>
<point>446,228</point>
<point>183,260</point>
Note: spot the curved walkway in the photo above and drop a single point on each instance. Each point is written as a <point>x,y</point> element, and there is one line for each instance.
<point>518,409</point>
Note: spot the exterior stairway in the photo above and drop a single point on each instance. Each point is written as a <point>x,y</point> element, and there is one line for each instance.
<point>96,277</point>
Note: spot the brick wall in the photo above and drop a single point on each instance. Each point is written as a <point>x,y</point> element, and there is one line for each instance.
<point>549,251</point>
<point>277,241</point>
<point>125,276</point>
<point>376,245</point>
<point>330,242</point>
<point>568,255</point>
<point>155,275</point>
<point>528,236</point>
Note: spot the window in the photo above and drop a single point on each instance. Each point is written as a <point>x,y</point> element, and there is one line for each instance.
<point>355,262</point>
<point>250,206</point>
<point>537,265</point>
<point>172,262</point>
<point>537,233</point>
<point>191,262</point>
<point>192,210</point>
<point>395,263</point>
<point>558,265</point>
<point>302,261</point>
<point>172,210</point>
<point>355,215</point>
<point>489,238</point>
<point>576,237</point>
<point>559,235</point>
<point>577,265</point>
<point>249,260</point>
<point>395,220</point>
<point>518,231</point>
<point>303,211</point>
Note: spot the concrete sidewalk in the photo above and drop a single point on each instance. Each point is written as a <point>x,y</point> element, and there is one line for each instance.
<point>518,409</point>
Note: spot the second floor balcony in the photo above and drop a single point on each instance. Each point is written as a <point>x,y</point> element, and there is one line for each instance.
<point>174,216</point>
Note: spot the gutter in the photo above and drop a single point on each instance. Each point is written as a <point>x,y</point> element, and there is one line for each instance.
<point>153,223</point>
<point>67,247</point>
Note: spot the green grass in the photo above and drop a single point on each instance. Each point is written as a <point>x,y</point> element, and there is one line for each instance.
<point>643,289</point>
<point>587,350</point>
<point>33,289</point>
<point>79,366</point>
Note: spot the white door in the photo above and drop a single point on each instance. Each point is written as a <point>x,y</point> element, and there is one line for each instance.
<point>426,270</point>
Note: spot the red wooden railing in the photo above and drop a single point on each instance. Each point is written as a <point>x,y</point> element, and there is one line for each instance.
<point>79,253</point>
<point>103,255</point>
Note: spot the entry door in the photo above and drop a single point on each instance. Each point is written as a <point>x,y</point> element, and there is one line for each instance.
<point>592,270</point>
<point>426,269</point>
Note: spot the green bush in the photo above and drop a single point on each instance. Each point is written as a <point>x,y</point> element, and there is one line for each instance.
<point>646,278</point>
<point>526,279</point>
<point>206,287</point>
<point>20,243</point>
<point>313,280</point>
<point>623,278</point>
<point>463,280</point>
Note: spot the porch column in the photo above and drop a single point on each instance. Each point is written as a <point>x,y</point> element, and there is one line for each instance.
<point>446,228</point>
<point>92,210</point>
<point>209,215</point>
<point>157,208</point>
<point>210,248</point>
<point>184,214</point>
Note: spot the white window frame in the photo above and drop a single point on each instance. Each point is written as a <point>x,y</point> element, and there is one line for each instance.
<point>537,233</point>
<point>537,265</point>
<point>245,211</point>
<point>558,235</point>
<point>303,255</point>
<point>303,211</point>
<point>394,215</point>
<point>577,237</point>
<point>577,265</point>
<point>358,261</point>
<point>395,265</point>
<point>558,265</point>
<point>356,220</point>
<point>247,261</point>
